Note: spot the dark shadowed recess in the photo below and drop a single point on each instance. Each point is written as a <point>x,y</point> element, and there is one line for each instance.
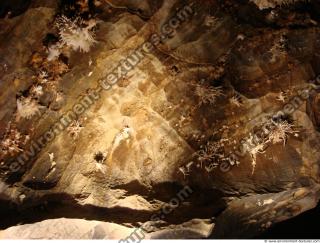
<point>12,8</point>
<point>304,226</point>
<point>60,205</point>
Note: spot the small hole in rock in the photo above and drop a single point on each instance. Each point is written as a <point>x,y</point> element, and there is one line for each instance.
<point>99,157</point>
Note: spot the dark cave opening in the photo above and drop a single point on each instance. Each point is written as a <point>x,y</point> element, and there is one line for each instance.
<point>304,226</point>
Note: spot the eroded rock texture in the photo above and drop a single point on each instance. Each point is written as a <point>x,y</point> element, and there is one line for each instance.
<point>137,146</point>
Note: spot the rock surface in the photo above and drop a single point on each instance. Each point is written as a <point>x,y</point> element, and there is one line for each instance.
<point>66,229</point>
<point>260,59</point>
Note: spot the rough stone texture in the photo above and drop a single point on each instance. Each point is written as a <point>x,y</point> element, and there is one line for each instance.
<point>66,229</point>
<point>231,43</point>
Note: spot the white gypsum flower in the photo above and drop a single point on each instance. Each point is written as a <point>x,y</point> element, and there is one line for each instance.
<point>236,101</point>
<point>74,35</point>
<point>280,132</point>
<point>258,149</point>
<point>27,108</point>
<point>282,97</point>
<point>13,141</point>
<point>207,95</point>
<point>37,91</point>
<point>74,129</point>
<point>254,147</point>
<point>52,161</point>
<point>53,52</point>
<point>43,76</point>
<point>10,146</point>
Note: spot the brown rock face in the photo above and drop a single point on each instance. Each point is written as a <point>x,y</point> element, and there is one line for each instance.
<point>313,107</point>
<point>157,119</point>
